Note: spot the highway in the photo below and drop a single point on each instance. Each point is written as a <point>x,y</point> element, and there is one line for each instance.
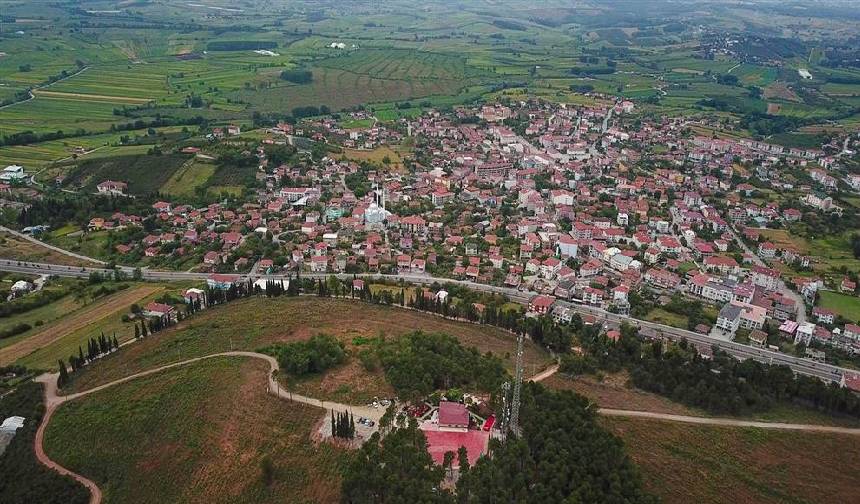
<point>804,366</point>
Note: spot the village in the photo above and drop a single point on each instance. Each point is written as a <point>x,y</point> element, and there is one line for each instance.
<point>538,197</point>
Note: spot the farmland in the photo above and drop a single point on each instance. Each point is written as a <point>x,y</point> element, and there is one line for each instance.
<point>284,319</point>
<point>211,421</point>
<point>42,348</point>
<point>692,463</point>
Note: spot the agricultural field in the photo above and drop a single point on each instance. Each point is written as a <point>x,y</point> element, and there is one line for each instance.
<point>51,113</point>
<point>213,422</point>
<point>143,174</point>
<point>251,324</point>
<point>51,158</point>
<point>367,76</point>
<point>42,347</point>
<point>846,305</point>
<point>683,463</point>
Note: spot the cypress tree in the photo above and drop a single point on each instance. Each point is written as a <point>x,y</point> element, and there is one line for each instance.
<point>63,379</point>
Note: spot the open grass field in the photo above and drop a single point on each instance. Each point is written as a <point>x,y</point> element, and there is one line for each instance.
<point>665,317</point>
<point>843,304</point>
<point>197,434</point>
<point>831,251</point>
<point>44,314</point>
<point>253,323</point>
<point>683,463</point>
<point>62,337</point>
<point>377,156</point>
<point>191,175</point>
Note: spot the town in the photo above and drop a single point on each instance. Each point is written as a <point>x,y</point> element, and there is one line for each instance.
<point>540,197</point>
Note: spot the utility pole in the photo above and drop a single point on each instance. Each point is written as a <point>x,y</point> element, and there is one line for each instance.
<point>518,383</point>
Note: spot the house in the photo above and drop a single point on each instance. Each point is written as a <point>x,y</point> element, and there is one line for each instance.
<point>112,188</point>
<point>724,265</point>
<point>540,304</point>
<point>453,417</point>
<point>566,246</point>
<point>219,281</point>
<point>766,278</point>
<point>824,315</point>
<point>729,320</point>
<point>804,333</point>
<point>160,310</point>
<point>319,263</point>
<point>767,250</point>
<point>13,173</point>
<point>193,295</point>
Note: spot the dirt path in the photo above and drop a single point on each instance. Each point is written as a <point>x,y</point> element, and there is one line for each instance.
<point>543,375</point>
<point>729,422</point>
<point>50,383</point>
<point>74,322</point>
<point>53,401</point>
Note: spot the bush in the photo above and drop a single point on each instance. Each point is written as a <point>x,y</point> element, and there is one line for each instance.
<point>316,355</point>
<point>297,76</point>
<point>15,330</point>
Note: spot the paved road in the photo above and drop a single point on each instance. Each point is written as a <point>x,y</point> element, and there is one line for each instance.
<point>799,365</point>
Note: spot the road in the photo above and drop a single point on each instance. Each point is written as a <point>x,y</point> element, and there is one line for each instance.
<point>820,370</point>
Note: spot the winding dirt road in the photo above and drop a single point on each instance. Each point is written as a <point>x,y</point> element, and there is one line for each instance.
<point>54,400</point>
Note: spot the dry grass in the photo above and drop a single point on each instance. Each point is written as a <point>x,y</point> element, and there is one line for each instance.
<point>613,392</point>
<point>376,156</point>
<point>197,434</point>
<point>250,324</point>
<point>13,247</point>
<point>683,463</point>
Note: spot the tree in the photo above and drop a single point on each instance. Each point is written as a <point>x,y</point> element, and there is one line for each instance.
<point>396,468</point>
<point>63,379</point>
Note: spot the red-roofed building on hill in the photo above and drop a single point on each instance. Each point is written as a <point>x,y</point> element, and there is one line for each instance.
<point>453,417</point>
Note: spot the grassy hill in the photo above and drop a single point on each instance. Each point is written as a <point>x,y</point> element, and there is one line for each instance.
<point>250,324</point>
<point>202,433</point>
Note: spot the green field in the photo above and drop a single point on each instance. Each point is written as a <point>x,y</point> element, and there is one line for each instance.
<point>843,304</point>
<point>211,422</point>
<point>188,177</point>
